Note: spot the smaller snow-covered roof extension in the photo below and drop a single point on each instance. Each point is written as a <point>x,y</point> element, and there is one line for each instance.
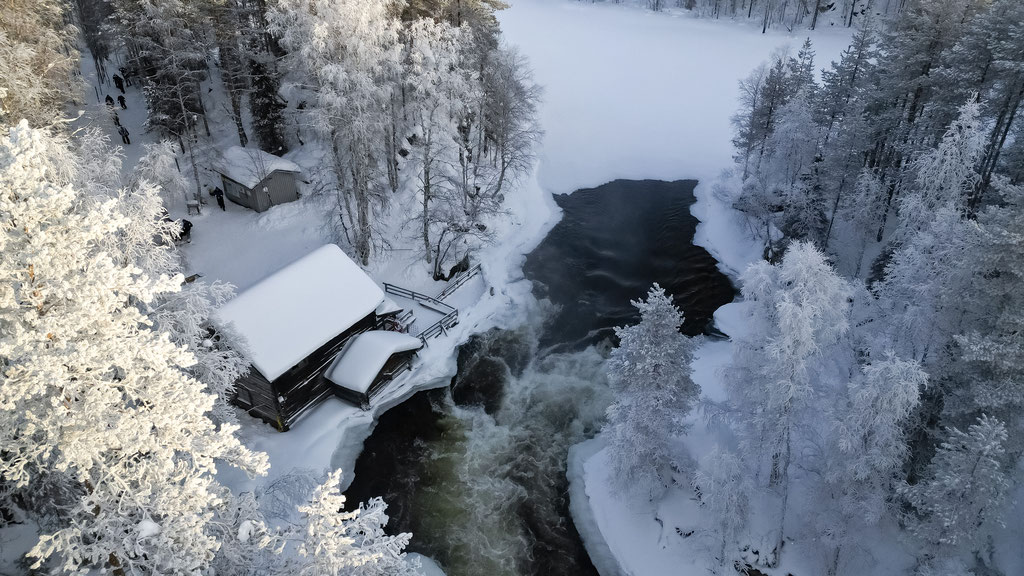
<point>362,359</point>
<point>289,314</point>
<point>249,166</point>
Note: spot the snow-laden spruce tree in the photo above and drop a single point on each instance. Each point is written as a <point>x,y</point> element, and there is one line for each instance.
<point>650,370</point>
<point>960,503</point>
<point>334,541</point>
<point>800,308</point>
<point>90,393</point>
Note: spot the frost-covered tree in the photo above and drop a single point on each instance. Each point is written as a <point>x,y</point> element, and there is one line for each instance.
<point>946,175</point>
<point>37,59</point>
<point>871,435</point>
<point>991,365</point>
<point>721,484</point>
<point>91,394</point>
<point>334,541</point>
<point>157,167</point>
<point>436,83</point>
<point>651,371</point>
<point>509,111</point>
<point>920,294</point>
<point>867,451</point>
<point>961,501</point>
<point>800,309</point>
<point>350,54</point>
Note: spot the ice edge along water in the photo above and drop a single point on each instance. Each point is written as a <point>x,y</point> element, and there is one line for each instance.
<point>587,72</point>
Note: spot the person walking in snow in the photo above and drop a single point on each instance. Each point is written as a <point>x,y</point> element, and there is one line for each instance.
<point>219,195</point>
<point>186,231</point>
<point>117,119</point>
<point>119,82</point>
<point>109,101</point>
<point>124,74</point>
<point>120,100</point>
<point>124,134</point>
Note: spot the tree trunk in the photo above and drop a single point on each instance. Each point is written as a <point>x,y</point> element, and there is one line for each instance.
<point>814,17</point>
<point>426,202</point>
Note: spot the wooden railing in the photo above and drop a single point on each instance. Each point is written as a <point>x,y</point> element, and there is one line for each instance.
<point>440,327</point>
<point>428,301</point>
<point>457,282</point>
<point>450,313</point>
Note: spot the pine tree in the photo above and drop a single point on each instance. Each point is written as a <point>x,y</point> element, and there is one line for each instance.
<point>651,370</point>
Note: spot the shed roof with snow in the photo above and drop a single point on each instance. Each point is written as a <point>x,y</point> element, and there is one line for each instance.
<point>249,166</point>
<point>364,357</point>
<point>290,314</point>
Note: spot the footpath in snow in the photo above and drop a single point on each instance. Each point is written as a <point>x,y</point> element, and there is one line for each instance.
<point>639,95</point>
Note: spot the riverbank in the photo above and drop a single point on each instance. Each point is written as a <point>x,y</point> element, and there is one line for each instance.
<point>636,95</point>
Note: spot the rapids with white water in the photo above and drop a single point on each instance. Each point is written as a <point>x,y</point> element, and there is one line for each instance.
<point>477,471</point>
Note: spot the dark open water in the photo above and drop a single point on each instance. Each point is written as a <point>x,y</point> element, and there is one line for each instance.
<point>477,471</point>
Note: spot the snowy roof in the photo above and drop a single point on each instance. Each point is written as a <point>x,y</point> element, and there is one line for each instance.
<point>289,314</point>
<point>362,358</point>
<point>388,306</point>
<point>249,166</point>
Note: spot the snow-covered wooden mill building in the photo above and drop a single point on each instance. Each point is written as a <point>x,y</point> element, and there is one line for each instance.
<point>295,321</point>
<point>257,179</point>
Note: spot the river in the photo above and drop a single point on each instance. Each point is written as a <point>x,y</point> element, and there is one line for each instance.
<point>476,471</point>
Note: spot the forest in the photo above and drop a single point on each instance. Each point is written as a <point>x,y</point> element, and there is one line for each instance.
<point>879,379</point>
<point>874,393</point>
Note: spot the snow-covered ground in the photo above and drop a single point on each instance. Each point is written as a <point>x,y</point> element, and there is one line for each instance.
<point>628,94</point>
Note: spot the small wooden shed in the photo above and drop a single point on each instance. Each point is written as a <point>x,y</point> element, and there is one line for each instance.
<point>257,179</point>
<point>293,323</point>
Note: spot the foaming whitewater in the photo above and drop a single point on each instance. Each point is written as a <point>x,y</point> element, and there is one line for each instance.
<point>476,471</point>
<point>490,496</point>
